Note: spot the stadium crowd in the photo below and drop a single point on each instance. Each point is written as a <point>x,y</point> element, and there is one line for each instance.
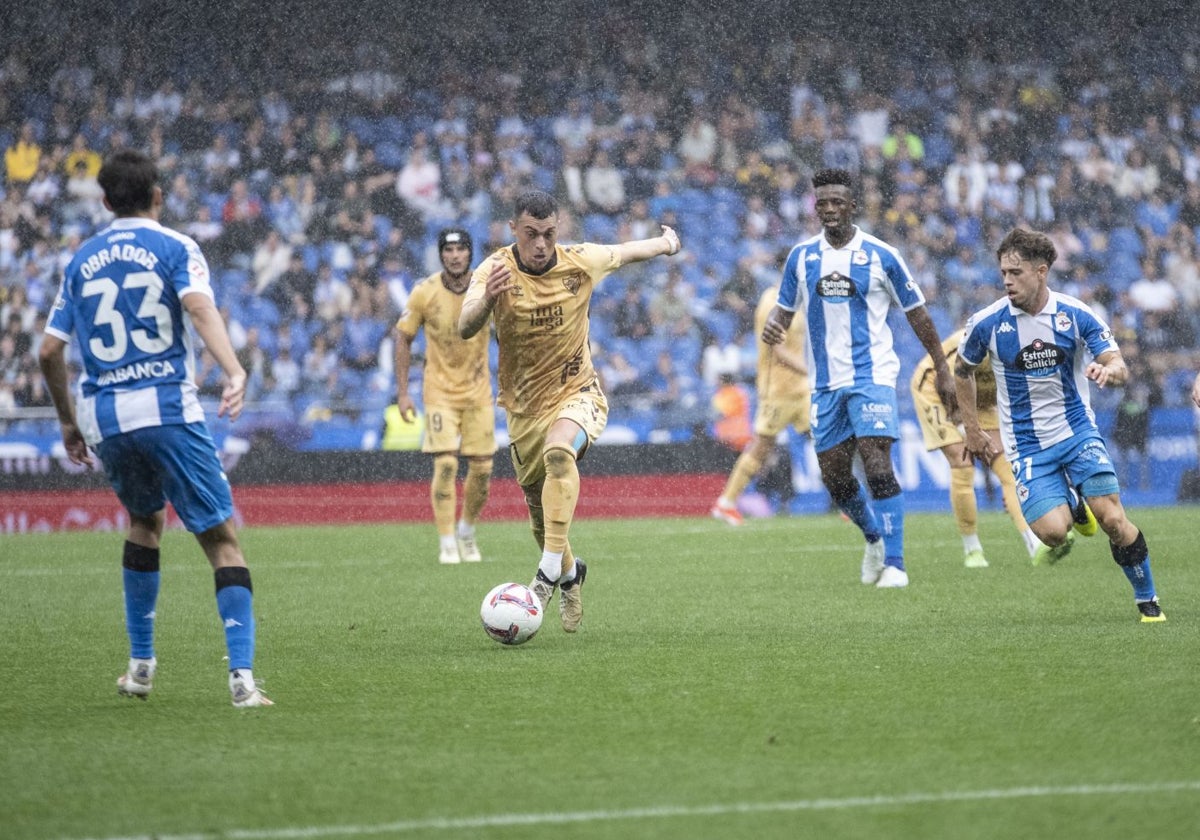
<point>316,188</point>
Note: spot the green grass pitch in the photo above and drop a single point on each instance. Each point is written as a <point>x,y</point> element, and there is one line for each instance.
<point>732,683</point>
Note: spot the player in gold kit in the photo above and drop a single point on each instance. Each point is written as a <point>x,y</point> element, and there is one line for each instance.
<point>457,392</point>
<point>784,399</point>
<point>538,293</point>
<point>942,430</point>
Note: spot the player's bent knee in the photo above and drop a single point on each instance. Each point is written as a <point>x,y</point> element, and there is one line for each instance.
<point>559,459</point>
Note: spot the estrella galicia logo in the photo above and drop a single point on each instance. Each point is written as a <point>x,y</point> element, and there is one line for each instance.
<point>1040,358</point>
<point>835,285</point>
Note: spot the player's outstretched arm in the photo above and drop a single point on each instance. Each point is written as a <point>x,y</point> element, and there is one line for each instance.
<point>211,328</point>
<point>52,358</point>
<point>644,249</point>
<point>1196,391</point>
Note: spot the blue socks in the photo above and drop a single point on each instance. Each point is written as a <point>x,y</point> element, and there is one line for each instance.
<point>889,513</point>
<point>235,606</point>
<point>139,571</point>
<point>1142,580</point>
<point>141,595</point>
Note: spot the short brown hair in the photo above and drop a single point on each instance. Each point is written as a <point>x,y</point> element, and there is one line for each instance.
<point>1028,245</point>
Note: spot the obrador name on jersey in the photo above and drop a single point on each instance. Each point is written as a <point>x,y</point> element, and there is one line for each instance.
<point>118,253</point>
<point>139,370</point>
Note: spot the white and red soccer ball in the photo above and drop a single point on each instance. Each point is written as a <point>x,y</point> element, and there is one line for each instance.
<point>511,613</point>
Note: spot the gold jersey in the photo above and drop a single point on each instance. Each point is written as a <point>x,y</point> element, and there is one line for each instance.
<point>775,381</point>
<point>456,371</point>
<point>985,380</point>
<point>542,325</point>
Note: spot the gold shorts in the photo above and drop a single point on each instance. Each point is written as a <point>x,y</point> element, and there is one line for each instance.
<point>937,429</point>
<point>773,416</point>
<point>527,432</point>
<point>470,432</point>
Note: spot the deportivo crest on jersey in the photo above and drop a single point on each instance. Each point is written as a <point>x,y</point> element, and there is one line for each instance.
<point>835,285</point>
<point>572,282</point>
<point>1040,358</point>
<point>859,258</point>
<point>1062,322</point>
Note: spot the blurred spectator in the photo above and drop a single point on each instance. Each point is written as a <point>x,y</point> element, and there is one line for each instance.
<point>731,413</point>
<point>82,153</point>
<point>242,220</point>
<point>272,258</point>
<point>631,318</point>
<point>21,159</point>
<point>1131,428</point>
<point>603,185</point>
<point>419,183</point>
<point>257,363</point>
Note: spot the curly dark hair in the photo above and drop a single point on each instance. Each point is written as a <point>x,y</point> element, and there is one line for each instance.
<point>540,205</point>
<point>833,177</point>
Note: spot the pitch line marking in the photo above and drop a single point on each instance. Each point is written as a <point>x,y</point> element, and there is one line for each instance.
<point>673,811</point>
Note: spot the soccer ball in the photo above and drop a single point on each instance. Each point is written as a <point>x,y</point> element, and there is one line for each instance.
<point>511,613</point>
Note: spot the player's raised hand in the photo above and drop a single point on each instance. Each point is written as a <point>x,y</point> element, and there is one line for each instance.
<point>673,243</point>
<point>1196,391</point>
<point>499,281</point>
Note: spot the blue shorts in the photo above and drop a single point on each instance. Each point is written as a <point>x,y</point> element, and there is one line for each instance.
<point>855,411</point>
<point>1044,479</point>
<point>147,467</point>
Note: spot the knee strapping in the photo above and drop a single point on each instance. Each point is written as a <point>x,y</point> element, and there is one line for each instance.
<point>1132,554</point>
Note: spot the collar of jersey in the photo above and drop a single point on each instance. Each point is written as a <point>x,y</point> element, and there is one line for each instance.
<point>855,243</point>
<point>526,270</point>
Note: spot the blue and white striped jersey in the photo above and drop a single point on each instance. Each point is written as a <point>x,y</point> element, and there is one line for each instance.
<point>1039,361</point>
<point>120,296</point>
<point>845,294</point>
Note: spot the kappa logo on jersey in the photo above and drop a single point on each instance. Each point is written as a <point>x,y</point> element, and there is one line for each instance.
<point>1006,328</point>
<point>1040,358</point>
<point>835,285</point>
<point>1062,322</point>
<point>572,282</point>
<point>859,258</point>
<point>812,257</point>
